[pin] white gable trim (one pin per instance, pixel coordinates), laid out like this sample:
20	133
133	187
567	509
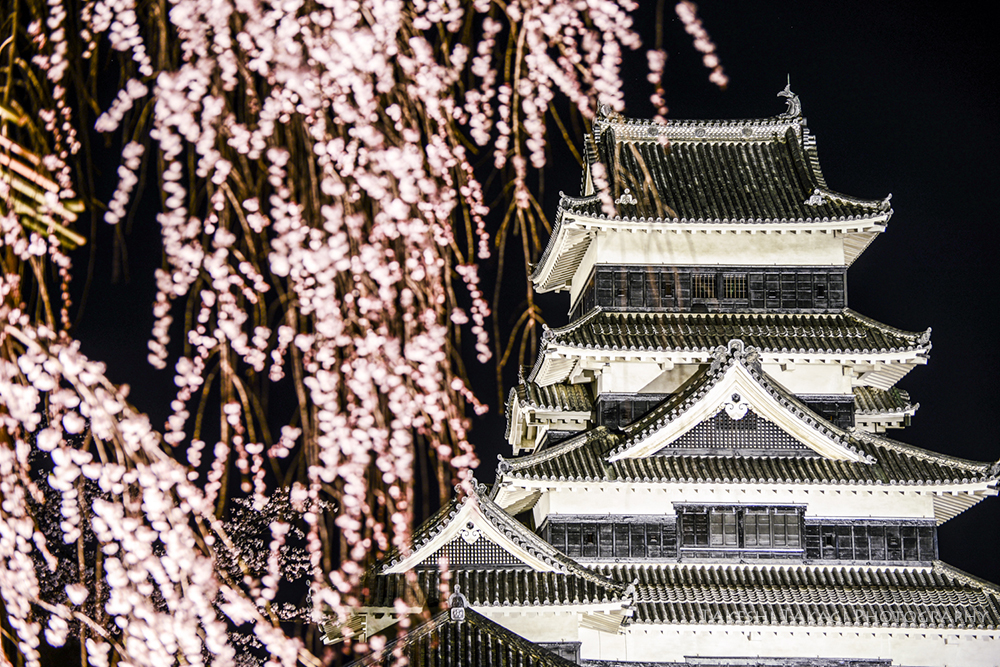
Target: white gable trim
738	380
470	512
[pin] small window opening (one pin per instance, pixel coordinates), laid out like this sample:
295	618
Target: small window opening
734	287
703	286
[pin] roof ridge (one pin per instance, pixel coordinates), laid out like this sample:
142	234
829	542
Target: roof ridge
583	199
568	445
982	467
953	572
921	337
579	322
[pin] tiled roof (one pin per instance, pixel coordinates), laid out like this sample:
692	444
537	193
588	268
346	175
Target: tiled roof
475	641
555	397
937	597
872	401
584	458
763	178
845	332
494	587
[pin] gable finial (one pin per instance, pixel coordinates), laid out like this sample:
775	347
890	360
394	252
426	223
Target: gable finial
794	109
457	603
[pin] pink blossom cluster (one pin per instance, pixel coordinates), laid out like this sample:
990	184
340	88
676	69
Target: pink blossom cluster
688	13
320	208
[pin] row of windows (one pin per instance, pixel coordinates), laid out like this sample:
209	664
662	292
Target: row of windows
741	532
870	542
690	289
649	540
741	528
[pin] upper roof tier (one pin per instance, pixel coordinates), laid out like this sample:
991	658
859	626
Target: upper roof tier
744	171
683	175
848	338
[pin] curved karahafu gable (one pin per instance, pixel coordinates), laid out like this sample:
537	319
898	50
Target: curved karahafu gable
734	383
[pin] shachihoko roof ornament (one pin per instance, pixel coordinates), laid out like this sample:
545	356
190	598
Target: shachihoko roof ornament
794	109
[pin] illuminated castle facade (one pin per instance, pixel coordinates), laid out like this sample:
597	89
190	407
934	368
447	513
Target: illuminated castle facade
700	468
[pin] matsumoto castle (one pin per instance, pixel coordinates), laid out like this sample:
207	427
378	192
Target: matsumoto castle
701	471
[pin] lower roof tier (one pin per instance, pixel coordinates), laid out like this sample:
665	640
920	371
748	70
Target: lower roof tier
937	597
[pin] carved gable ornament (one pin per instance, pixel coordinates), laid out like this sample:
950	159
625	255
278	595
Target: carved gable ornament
735	386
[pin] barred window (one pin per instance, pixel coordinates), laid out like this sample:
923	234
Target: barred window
703	286
722	528
734	286
870	541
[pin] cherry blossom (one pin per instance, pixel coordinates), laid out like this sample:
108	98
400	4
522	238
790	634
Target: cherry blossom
322	223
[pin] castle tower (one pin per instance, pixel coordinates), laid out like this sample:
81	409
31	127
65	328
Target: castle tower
701	453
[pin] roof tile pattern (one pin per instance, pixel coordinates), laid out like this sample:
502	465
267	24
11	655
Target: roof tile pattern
940	597
755	180
494	587
583	458
872	401
556	397
845	332
475	641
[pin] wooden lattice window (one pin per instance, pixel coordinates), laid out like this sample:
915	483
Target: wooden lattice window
722	528
743	528
734	286
769	528
703	286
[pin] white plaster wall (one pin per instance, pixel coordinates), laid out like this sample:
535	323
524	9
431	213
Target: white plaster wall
914	648
647	377
642	377
658	500
541	509
583	272
709	249
810	378
547	626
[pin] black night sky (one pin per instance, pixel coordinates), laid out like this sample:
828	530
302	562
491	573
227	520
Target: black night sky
902	97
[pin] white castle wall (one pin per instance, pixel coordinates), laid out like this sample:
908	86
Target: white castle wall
648	377
820	501
908	646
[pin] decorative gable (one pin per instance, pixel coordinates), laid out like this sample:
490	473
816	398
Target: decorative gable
467	535
473	531
732	390
750	434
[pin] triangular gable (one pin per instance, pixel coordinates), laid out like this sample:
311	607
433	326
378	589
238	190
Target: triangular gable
735	384
751	435
476	526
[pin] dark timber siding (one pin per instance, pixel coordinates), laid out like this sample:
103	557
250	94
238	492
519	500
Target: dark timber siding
714	289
